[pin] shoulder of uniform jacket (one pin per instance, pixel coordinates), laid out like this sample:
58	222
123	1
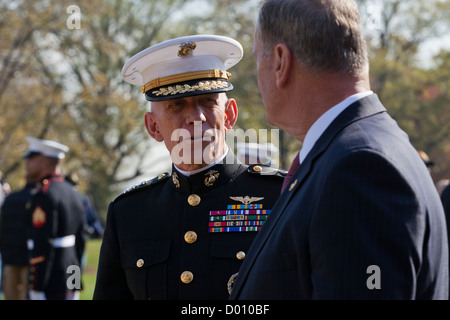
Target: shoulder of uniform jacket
45	183
265	170
144	184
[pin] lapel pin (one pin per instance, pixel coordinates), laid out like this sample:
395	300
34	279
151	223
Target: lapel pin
292	185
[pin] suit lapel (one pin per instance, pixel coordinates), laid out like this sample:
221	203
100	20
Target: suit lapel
360	109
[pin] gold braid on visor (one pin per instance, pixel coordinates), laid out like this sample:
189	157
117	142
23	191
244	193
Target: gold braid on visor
187	76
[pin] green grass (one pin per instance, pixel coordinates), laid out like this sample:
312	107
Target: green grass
89	275
92	252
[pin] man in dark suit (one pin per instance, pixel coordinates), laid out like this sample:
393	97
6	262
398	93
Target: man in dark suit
445	198
184	235
360	217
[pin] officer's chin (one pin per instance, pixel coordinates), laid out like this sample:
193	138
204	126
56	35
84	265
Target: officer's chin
190	153
207	151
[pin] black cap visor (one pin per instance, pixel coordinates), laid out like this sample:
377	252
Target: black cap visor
188	88
31	154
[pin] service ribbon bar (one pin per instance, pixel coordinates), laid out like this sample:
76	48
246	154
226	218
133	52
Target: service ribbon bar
245	206
238	217
235	223
234	229
238	212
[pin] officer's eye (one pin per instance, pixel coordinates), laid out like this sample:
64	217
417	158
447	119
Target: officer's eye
210	101
175	105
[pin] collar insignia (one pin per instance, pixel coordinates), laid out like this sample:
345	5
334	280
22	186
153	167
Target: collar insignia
175	180
212	176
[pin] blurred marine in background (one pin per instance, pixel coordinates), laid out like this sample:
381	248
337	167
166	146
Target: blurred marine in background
57	238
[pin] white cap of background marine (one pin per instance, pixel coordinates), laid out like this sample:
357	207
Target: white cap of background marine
48	148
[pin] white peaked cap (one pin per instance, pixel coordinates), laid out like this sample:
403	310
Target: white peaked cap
184	66
48	148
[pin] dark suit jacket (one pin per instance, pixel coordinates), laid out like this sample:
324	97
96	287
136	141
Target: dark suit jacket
445	197
364	213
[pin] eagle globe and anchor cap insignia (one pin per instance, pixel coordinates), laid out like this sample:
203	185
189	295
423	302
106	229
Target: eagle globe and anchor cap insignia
186	48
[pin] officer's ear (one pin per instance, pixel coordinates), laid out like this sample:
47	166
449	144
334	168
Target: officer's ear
152	126
231	113
282	58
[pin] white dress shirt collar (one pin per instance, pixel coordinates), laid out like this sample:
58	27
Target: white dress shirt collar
321	124
190	173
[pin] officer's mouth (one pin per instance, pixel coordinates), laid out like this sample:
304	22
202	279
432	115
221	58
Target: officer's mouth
206	136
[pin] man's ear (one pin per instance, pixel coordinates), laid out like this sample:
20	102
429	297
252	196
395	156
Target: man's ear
152	127
283	63
231	113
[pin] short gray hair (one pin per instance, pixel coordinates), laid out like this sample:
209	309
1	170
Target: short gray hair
325	35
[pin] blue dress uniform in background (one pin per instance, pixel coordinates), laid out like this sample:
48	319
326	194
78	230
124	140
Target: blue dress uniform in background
179	237
57	237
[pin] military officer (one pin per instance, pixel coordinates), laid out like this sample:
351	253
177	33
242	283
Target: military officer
57	236
184	234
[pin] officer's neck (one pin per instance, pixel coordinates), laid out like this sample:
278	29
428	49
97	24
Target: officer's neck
189	170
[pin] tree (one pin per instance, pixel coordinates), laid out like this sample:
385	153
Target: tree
28	93
415	95
65	84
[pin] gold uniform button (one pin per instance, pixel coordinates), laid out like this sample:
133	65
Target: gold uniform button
194	199
140	263
190	237
186	277
240	255
257	168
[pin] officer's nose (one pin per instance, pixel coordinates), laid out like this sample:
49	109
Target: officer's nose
195	112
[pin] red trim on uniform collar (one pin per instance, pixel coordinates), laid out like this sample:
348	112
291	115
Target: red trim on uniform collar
53	177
